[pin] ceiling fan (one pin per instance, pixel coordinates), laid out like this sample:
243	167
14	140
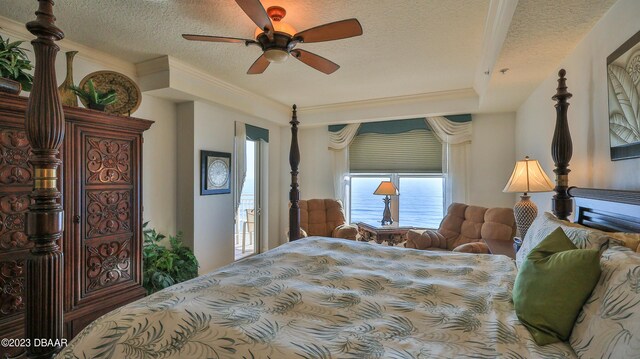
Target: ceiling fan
278	39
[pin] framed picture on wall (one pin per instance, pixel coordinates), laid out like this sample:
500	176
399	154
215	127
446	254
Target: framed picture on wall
623	81
215	172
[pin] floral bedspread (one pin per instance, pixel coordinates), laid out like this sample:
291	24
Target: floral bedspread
327	298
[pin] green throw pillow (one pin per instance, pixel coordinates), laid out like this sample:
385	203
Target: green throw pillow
552	285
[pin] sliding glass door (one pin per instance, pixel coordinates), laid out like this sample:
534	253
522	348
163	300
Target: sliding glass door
250	189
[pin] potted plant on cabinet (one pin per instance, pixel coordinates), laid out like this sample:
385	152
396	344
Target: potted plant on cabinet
96	100
14	65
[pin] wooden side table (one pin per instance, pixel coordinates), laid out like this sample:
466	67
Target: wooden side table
392	235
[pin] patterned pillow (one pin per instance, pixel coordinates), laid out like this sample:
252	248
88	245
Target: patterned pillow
583	237
609	324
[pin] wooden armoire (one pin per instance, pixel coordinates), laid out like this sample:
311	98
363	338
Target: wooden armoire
102	186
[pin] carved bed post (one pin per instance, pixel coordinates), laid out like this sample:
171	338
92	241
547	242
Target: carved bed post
44	221
561	151
294	193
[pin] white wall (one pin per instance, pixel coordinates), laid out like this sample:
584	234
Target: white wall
591	165
159	168
159	181
208	221
492	159
185	170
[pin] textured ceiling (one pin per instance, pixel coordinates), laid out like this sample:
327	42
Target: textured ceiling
542	33
409	47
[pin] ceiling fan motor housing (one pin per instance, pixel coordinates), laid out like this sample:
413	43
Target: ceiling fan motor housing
276	50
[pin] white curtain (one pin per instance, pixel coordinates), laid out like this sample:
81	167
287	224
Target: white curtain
456	154
240	168
339	146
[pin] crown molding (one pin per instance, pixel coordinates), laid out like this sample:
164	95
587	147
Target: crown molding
175	80
495	33
17	30
410	106
395	100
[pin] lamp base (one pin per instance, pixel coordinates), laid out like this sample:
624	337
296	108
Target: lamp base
525	212
386	215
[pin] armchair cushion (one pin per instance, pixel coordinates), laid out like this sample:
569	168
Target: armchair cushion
490	229
345	231
425	239
462	224
475	247
303	234
324	217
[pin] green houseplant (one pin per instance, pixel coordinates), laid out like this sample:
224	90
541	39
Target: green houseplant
96	100
14	65
165	266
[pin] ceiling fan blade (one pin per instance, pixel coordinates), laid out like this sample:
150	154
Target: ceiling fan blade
259	66
332	31
316	61
256	12
215	38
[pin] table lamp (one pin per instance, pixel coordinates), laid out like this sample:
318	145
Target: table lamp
527	177
386	188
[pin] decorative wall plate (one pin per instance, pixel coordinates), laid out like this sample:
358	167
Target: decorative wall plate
215	172
128	93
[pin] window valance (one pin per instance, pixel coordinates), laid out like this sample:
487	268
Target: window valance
255	133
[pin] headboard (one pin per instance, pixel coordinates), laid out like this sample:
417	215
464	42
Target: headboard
608	210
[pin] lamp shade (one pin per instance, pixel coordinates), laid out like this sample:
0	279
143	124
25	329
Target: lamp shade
386	188
528	176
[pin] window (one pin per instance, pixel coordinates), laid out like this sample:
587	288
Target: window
420	203
407	153
366	206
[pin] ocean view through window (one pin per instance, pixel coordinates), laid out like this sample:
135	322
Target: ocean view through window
420	203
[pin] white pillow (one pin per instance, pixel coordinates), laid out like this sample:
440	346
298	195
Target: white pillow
583	237
609	324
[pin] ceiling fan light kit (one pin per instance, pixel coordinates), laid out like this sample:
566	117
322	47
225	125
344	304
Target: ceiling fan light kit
276	55
278	39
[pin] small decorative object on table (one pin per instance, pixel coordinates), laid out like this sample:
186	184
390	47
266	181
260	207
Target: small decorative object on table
517	243
386	188
215	172
67	95
94	99
128	95
13	66
527	176
391	235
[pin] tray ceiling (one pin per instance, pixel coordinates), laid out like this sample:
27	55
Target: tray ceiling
408	47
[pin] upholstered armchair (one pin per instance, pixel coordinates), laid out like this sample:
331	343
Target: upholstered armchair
325	218
470	229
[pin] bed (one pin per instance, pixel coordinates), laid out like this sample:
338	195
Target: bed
327	298
310	298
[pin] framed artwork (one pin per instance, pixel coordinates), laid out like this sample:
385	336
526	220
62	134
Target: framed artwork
623	81
215	172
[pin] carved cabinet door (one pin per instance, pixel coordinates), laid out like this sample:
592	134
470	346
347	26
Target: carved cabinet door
106	215
15	187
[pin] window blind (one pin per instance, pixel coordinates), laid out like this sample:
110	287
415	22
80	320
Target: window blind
416	151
